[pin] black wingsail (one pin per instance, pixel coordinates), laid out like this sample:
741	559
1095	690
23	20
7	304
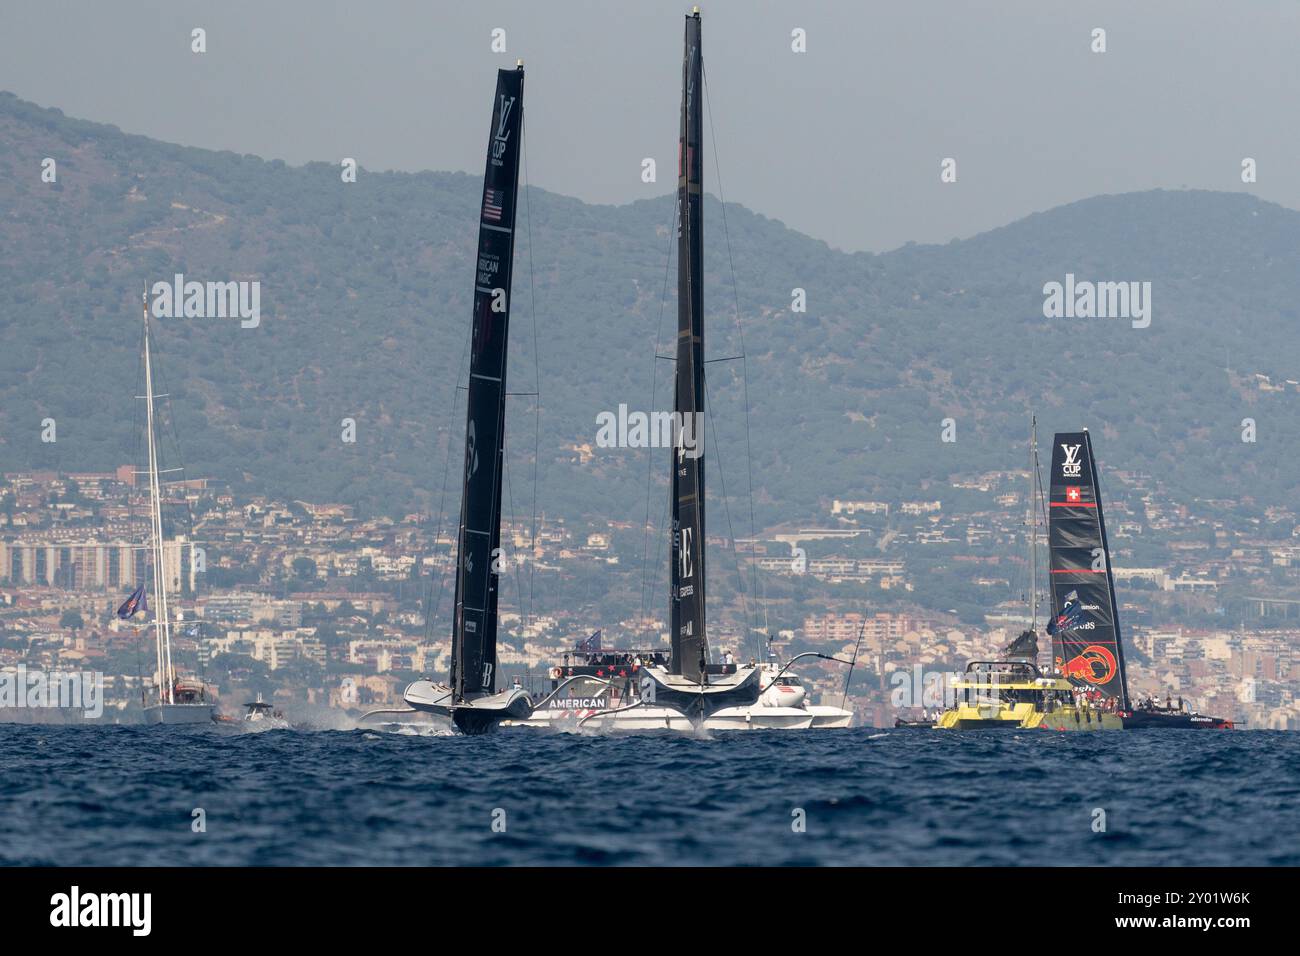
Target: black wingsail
473	655
686	565
1086	644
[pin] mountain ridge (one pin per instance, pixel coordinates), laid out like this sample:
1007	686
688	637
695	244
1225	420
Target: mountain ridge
365	297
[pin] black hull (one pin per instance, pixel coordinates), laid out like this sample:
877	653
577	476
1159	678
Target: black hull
901	724
471	723
1149	720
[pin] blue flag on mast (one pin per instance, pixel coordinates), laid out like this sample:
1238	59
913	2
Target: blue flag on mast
138	601
1071	615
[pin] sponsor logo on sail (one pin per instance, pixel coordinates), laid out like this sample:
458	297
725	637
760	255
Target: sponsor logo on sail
685	559
502	136
1071	467
1093	665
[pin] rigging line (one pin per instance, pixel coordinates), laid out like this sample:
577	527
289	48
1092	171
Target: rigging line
134	500
854	663
740	331
654	394
431	613
659	551
169	424
510	494
537	359
726	510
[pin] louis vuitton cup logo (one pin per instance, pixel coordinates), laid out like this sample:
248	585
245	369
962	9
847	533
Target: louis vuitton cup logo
500	140
1071	467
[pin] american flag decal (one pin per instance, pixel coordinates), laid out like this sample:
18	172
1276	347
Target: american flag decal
492	202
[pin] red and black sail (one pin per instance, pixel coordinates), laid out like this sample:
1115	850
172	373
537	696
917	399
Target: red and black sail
1084	623
686	566
473	660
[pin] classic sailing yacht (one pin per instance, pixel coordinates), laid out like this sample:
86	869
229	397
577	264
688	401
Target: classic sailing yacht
177	700
470	698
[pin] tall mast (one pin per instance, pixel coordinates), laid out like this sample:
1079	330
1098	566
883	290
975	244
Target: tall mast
1033	522
686	563
162	626
474	629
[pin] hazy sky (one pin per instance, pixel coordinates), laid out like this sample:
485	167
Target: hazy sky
843	142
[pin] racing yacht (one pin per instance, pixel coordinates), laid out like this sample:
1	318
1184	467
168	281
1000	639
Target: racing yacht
469	698
607	691
1086	688
686	688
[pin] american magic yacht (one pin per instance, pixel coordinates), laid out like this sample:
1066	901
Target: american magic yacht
470	698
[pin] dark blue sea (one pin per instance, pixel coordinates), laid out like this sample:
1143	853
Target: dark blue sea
126	796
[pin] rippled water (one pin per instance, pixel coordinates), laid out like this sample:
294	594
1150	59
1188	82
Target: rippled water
123	795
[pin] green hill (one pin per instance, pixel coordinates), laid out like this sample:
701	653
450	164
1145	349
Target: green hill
365	298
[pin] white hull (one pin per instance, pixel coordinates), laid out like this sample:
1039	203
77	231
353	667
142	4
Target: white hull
588	704
178	714
760	717
829	718
632	720
265	723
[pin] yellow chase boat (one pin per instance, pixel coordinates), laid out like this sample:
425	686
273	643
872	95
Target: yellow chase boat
1015	695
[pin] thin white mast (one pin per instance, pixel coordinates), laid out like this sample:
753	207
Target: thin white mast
162	625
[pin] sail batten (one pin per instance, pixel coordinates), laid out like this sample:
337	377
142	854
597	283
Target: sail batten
686	563
473	657
1086	642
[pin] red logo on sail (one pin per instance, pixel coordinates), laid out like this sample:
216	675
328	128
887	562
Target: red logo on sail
1095	665
1073	494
